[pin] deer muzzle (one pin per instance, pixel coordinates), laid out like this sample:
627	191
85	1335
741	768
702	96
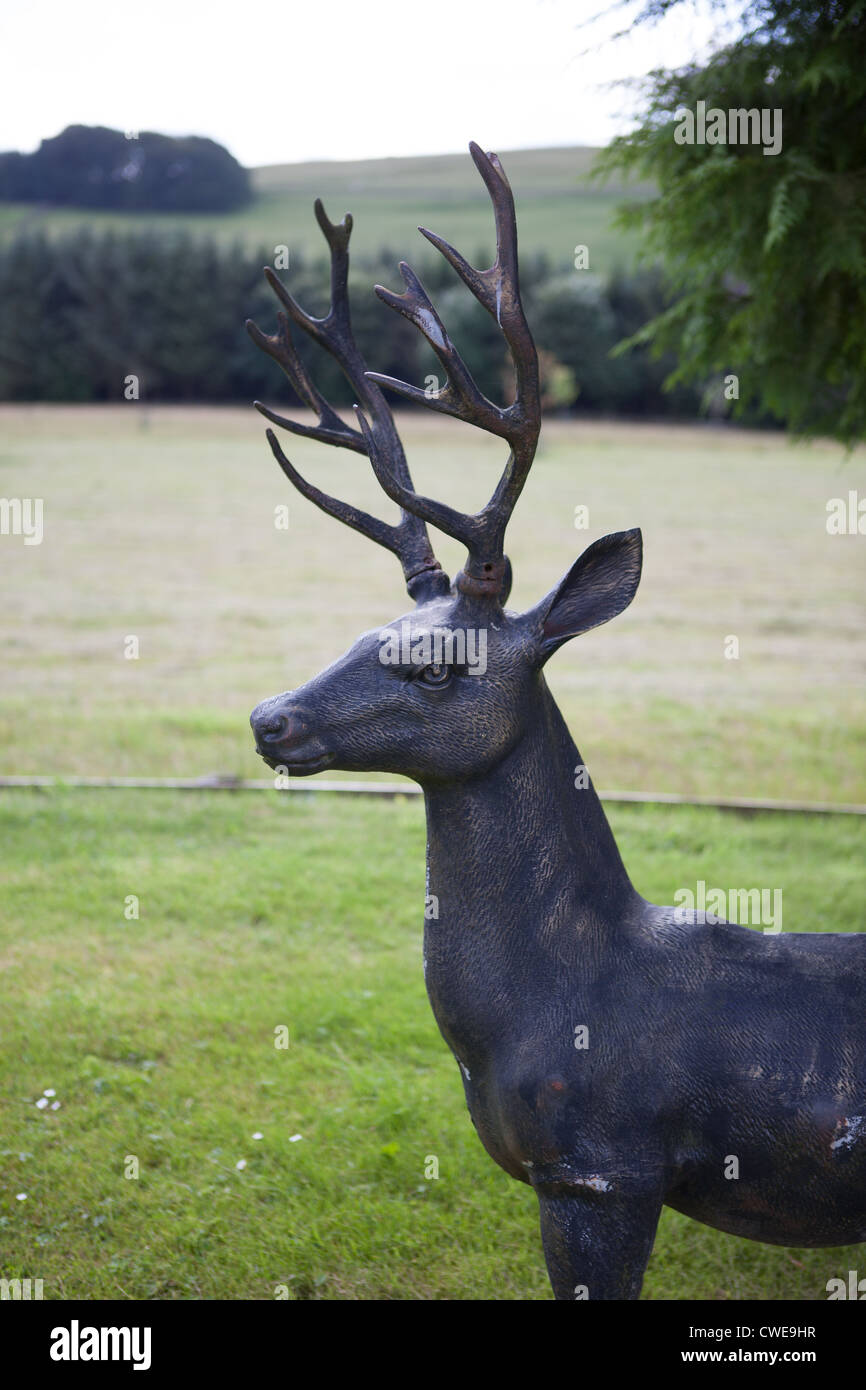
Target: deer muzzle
283	737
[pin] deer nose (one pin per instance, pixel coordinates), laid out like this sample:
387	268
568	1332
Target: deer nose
270	724
273	728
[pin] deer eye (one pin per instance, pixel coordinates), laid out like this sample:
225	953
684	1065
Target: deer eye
435	675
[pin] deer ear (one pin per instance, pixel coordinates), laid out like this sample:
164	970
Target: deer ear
599	585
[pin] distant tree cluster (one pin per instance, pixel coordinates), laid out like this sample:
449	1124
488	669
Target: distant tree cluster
94	167
83	313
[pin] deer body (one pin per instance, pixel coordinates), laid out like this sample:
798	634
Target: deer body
704	1040
616	1055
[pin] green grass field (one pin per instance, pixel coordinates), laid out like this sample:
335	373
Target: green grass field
558	208
258	910
157	1035
159	524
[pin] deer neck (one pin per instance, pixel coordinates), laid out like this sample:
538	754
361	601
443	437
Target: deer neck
523	855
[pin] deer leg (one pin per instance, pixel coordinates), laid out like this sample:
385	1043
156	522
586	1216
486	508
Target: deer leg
596	1242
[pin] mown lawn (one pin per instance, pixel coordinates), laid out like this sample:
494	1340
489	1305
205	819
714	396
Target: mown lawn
258	911
159	524
157	1035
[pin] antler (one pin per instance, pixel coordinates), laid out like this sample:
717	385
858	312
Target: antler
409	539
497	289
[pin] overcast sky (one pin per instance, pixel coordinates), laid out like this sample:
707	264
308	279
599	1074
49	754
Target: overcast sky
330	79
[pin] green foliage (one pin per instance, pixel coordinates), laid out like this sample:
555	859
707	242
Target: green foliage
765	251
94	167
84	312
579	318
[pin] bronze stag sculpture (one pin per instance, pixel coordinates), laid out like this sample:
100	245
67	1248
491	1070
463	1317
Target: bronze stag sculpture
614	1054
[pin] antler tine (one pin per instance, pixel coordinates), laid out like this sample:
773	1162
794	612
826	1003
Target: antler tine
498	290
334	334
331	429
408	540
359	520
337	236
460	396
462	527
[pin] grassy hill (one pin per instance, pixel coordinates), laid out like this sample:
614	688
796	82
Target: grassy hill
558	207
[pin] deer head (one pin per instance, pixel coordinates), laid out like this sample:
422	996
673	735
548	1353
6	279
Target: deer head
445	691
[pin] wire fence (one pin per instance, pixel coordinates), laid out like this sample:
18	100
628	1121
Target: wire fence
399	789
